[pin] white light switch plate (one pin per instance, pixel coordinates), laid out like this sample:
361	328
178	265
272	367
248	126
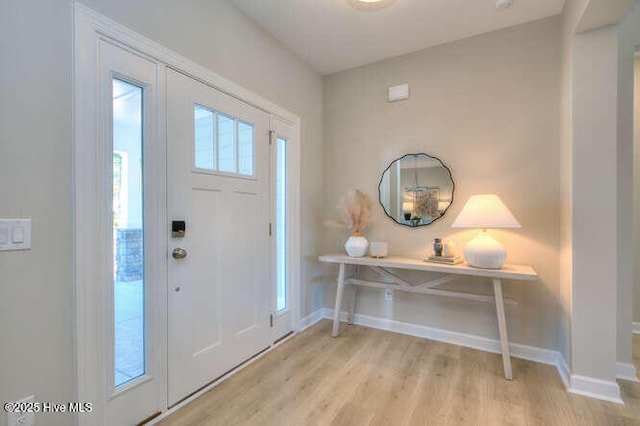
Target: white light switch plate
15	234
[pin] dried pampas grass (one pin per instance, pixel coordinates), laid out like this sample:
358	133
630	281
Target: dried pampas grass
355	211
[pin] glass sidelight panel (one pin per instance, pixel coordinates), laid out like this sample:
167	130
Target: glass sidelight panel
282	278
128	232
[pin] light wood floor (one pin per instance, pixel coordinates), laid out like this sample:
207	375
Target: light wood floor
372	377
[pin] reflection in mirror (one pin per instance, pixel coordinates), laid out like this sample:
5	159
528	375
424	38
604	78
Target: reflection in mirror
416	190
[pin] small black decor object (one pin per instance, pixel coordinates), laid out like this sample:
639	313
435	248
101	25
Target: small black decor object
438	246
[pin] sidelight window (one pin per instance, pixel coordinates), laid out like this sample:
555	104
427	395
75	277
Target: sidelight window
128	232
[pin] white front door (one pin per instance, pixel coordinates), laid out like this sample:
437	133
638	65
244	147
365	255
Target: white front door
218	191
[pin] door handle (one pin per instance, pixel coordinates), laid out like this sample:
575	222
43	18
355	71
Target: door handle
179	253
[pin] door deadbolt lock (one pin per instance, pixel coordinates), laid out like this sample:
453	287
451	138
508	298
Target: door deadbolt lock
179	253
178	228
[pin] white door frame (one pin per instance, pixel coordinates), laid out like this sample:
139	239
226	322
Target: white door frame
89	28
290	132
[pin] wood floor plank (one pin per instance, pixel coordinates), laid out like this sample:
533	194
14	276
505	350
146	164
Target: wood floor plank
372	377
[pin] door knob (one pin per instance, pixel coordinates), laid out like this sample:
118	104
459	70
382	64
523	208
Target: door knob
179	253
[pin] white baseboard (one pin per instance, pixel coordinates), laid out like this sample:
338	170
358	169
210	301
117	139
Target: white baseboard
311	319
636	328
581	385
589	386
626	371
563	369
595	388
543	356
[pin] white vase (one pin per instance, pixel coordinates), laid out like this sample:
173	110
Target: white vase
356	245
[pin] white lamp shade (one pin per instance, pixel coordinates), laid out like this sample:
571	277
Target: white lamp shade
485	211
407	206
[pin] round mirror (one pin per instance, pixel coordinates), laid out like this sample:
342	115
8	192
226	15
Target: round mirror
416	190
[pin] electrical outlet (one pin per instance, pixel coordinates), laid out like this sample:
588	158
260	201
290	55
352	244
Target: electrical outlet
388	294
23	414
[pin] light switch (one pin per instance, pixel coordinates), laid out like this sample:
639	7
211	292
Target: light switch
18	234
4	234
15	234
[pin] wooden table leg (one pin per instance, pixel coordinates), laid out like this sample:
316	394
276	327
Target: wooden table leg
502	326
338	305
352	308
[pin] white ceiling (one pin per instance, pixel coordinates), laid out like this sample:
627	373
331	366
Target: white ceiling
332	36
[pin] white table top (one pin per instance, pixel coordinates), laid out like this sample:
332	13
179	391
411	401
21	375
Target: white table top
512	272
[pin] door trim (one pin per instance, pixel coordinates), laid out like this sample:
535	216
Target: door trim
90	222
89	27
290	132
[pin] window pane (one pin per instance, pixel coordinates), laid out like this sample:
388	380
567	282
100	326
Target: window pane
128	233
205	152
281	224
245	148
226	143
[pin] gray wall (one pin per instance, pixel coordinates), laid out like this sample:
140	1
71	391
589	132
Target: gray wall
488	106
628	35
35	161
594	296
570	17
36	353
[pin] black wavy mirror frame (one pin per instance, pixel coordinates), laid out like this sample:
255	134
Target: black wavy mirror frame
416	190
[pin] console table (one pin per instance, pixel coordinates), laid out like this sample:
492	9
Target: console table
449	273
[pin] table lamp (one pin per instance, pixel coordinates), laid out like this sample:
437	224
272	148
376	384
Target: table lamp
484	212
407	209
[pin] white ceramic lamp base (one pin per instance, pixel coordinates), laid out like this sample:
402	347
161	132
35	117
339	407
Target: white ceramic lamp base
485	252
